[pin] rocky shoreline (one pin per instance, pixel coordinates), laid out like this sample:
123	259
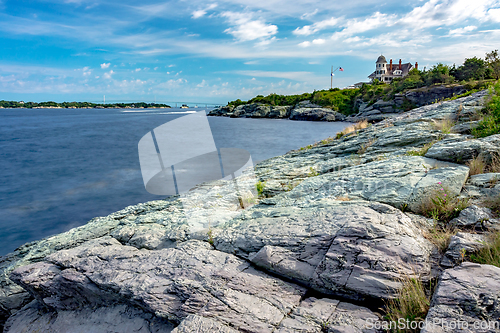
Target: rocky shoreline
328	243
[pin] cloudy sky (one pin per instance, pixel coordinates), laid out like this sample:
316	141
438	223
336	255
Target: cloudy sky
213	52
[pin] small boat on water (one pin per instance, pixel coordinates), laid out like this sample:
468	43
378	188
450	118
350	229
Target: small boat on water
184	106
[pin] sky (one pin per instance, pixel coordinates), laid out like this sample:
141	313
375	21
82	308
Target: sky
213	52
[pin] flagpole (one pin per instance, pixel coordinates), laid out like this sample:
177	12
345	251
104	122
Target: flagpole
331	79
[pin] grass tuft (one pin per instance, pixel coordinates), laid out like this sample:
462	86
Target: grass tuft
441	206
260	188
365	146
411	302
476	166
353	128
422	151
444	125
490	254
440	235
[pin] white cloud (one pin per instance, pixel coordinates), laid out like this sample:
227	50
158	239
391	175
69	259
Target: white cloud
108	74
462	31
308	15
105	65
202	12
318	41
137	69
305	44
202	84
246	29
321	25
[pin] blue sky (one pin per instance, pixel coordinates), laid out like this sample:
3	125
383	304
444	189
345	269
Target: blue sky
213	52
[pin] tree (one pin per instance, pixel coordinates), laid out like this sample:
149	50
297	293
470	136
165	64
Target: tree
493	61
473	69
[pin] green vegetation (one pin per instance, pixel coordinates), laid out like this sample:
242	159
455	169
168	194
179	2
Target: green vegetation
78	105
312	172
474	74
491	122
442	206
422	151
490	254
411	302
260	188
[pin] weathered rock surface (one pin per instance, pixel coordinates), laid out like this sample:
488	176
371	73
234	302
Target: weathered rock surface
119	318
463	151
467	294
170	283
475	217
353	249
320	315
197	324
421	97
461	245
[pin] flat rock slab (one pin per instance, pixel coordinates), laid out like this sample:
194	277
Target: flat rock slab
406	181
170	283
119	318
197	324
320	315
467	295
463	151
356	249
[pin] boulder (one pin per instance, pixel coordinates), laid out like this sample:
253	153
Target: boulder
461	245
315	114
170	283
469	296
351	248
426	96
465	150
474	217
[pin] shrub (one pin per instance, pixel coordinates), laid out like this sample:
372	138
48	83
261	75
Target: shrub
491	122
490	254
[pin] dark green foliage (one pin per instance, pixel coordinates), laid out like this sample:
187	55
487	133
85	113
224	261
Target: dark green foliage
491	122
493	61
473	69
30	105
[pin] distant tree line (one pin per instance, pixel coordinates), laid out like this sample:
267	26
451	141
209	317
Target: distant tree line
474	73
30	105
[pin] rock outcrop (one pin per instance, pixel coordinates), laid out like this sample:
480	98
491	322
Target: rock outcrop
332	237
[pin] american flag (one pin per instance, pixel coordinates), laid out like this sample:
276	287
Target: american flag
341	69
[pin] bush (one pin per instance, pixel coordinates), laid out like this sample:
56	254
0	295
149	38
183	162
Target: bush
491	122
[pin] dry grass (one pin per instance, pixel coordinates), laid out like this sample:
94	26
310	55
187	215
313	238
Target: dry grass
490	254
440	205
411	302
444	125
494	165
353	128
365	146
476	166
440	236
343	198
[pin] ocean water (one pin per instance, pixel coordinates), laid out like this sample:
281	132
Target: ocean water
61	167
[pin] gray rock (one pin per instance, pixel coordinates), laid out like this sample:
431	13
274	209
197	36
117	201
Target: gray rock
461	245
356	249
464	128
119	318
474	217
315	114
422	97
468	294
387	109
485	179
370	113
197	324
319	315
169	283
463	151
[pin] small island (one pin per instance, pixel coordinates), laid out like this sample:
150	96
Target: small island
79	105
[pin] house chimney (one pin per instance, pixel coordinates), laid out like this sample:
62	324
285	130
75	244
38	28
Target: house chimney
416	65
400	64
390	66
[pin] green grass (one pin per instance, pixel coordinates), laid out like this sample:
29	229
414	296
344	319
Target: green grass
442	206
490	254
411	302
422	151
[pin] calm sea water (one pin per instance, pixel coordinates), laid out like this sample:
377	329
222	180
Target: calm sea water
60	168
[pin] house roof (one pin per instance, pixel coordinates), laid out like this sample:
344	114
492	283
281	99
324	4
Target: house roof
381	59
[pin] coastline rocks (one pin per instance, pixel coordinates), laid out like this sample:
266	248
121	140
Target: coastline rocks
421	97
465	150
461	244
354	249
119	318
469	293
197	324
316	114
172	283
474	217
